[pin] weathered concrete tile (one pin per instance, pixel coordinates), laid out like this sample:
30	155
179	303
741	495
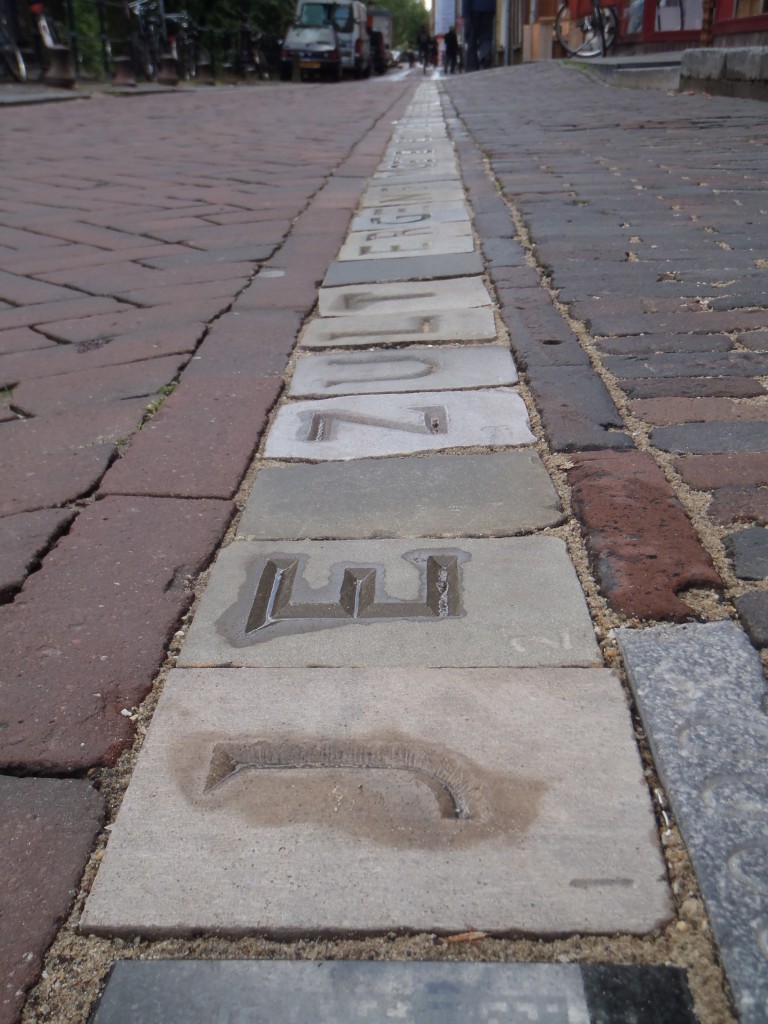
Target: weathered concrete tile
360	245
406	268
365	330
49	826
420	601
357	426
701	692
411	369
311	801
348	991
404	297
641	543
498	494
409	214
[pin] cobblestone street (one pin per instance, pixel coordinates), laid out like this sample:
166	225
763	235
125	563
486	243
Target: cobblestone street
383	558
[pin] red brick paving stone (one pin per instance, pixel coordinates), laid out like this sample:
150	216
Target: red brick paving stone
48	481
641	543
49	828
109	325
675	323
664	411
23	291
23	339
732	505
89	355
41	435
52	312
295	290
201	441
737	469
692	387
87	633
66	391
247	344
23	538
183	293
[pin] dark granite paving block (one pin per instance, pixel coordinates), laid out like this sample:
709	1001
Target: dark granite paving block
701	692
201	441
23	538
689	364
404	268
86	635
504	252
51	480
576	409
753	612
555	347
343	992
756	341
712	438
739	505
638	345
49	826
749	551
640	541
693	387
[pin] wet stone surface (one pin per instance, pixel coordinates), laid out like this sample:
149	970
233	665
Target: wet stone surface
388	602
701	693
345	992
377	801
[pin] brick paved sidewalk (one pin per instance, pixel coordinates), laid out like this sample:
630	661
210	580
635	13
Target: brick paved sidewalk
630	291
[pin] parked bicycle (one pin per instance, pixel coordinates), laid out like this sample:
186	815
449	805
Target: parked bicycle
10	52
182	43
147	42
584	28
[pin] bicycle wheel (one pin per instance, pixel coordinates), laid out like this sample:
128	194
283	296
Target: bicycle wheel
580	37
610	26
15	63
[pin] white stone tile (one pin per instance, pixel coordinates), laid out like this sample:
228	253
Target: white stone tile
411	369
366	330
409	213
377	603
404	297
310	801
358	426
360	246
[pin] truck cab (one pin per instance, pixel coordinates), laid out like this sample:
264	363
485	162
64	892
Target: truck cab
328	38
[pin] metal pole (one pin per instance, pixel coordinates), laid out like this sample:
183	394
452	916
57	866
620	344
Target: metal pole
73	36
103	36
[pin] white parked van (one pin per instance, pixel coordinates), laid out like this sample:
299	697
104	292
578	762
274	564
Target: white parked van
326	39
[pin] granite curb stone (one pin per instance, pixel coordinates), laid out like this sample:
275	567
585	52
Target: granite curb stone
346	992
701	693
525	848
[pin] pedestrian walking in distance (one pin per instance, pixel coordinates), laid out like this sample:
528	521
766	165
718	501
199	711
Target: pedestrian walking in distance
451	42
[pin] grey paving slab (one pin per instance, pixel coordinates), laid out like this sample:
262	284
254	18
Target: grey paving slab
434	327
499	494
411	369
404	297
422	601
347	992
406	268
366	245
357	426
409	213
312	802
702	695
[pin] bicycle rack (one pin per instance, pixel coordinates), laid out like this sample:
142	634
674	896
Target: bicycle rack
167	75
124	73
59	71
